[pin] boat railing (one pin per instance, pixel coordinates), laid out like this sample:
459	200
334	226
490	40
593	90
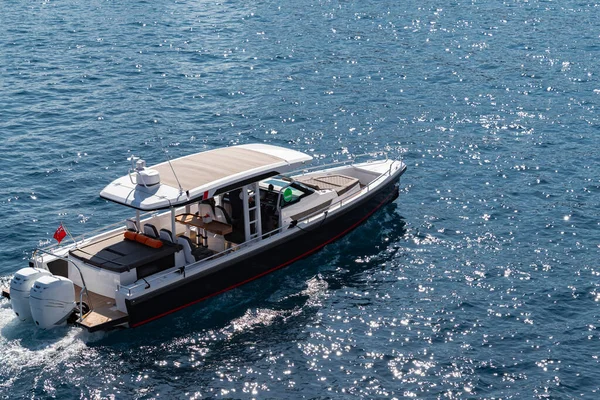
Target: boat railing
149	282
366	189
349	161
76	240
83	289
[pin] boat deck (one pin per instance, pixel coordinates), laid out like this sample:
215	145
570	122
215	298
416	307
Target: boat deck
117	254
340	183
104	314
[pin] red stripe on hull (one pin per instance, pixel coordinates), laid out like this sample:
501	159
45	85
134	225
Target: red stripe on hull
314	249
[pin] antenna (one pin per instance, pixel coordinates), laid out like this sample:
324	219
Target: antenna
155	121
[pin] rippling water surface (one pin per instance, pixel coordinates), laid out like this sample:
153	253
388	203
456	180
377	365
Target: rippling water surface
480	281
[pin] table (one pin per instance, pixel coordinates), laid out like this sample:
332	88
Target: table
220	228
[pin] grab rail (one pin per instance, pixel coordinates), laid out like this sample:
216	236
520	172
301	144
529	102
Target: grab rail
148	282
107	228
103	229
350	161
367	188
87	293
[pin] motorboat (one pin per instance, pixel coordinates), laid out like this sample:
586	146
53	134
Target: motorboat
199	225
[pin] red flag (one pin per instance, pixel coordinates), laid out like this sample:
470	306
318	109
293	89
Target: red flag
60	234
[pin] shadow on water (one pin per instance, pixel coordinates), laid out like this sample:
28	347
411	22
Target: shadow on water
366	250
282	296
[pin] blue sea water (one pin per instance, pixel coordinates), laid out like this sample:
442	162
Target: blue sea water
480	281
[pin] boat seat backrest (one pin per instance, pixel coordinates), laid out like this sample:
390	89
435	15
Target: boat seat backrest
150	230
226	207
221	215
204	209
166	235
131	225
186	243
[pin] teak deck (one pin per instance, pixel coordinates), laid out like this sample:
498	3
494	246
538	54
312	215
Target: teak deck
104	313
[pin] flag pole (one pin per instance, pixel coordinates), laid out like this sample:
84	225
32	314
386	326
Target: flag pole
68	231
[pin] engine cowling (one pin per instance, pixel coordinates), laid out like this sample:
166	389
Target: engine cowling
20	287
52	301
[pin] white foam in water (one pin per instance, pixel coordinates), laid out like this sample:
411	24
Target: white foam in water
316	289
25	346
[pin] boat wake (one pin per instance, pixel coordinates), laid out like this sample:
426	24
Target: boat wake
264	317
25	347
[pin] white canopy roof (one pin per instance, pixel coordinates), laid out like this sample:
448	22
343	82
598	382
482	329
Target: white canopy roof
201	175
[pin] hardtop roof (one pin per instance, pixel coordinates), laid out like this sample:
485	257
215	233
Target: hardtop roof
201	175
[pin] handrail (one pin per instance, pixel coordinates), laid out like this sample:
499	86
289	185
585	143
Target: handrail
82	281
364	189
106	228
204	260
343	162
83	236
367	188
307	219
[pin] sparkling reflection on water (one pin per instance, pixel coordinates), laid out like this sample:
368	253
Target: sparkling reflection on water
480	281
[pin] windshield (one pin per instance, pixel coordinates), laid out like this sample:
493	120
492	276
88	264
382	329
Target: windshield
291	194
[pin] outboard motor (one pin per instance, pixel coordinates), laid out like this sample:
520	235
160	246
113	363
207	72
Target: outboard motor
52	301
20	286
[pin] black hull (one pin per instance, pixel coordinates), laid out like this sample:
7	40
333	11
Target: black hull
256	264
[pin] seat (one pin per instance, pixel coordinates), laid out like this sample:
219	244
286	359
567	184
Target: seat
237	236
236	217
166	235
221	215
150	230
187	246
195	253
131	225
205	209
340	183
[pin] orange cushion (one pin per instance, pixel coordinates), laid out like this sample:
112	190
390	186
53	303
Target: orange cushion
154	243
143	239
130	235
